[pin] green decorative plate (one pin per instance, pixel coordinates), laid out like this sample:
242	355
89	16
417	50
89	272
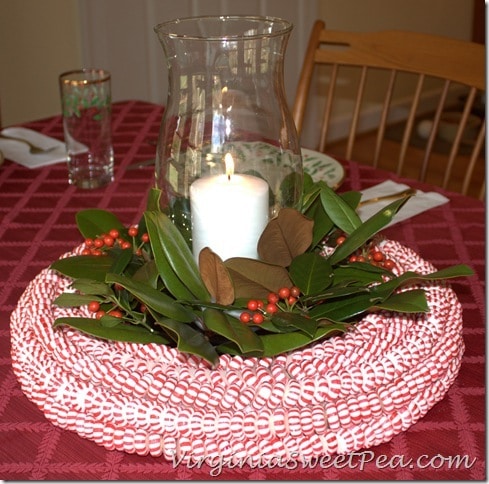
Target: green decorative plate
323	167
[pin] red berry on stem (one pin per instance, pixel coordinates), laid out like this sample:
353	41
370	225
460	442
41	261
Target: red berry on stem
377	256
245	317
108	241
271	308
93	306
284	292
145	238
115	313
273	298
114	233
295	291
340	239
258	318
133	231
252	305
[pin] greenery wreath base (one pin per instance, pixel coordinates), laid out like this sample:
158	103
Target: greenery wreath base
145	287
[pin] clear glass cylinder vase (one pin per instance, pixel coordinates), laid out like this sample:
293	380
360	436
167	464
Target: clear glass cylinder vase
228	156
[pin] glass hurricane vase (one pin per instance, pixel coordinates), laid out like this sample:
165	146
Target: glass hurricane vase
228	155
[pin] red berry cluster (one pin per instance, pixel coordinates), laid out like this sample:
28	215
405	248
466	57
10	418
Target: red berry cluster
98	245
275	300
370	254
94	307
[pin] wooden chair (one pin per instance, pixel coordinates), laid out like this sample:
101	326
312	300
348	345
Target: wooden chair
423	78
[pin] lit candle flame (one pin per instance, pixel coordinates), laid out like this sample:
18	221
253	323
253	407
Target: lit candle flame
229	162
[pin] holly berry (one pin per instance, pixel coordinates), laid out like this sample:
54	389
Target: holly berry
109	241
271	308
258	318
115	313
98	243
389	264
377	256
252	305
295	291
273	298
114	233
93	306
340	240
132	231
245	317
145	238
100	313
284	292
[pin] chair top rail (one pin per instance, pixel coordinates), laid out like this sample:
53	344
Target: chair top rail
438	56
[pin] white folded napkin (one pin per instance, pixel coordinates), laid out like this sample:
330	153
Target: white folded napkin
418	203
19	152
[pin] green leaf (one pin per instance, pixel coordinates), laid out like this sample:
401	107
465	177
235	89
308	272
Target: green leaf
153	298
366	230
122	332
122	259
70	300
346	308
84	266
359	273
311	273
88	286
322	221
147	273
344	216
233	330
94	221
288	322
189	340
153	201
168	242
413	301
275	344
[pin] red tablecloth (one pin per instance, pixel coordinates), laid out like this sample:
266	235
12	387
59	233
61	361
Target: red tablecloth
37	214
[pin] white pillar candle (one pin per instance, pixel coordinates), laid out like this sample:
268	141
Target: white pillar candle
229	214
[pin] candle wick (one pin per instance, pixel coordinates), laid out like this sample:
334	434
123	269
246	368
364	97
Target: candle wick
229	176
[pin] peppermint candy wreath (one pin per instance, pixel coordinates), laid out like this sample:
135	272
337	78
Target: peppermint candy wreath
340	395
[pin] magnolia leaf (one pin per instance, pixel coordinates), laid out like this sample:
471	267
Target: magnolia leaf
359	273
311	273
275	344
216	277
413	301
256	279
147	273
189	340
122	259
154	299
167	242
84	266
71	300
233	330
322	222
285	237
93	222
122	332
109	321
88	286
366	230
341	213
288	322
153	201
